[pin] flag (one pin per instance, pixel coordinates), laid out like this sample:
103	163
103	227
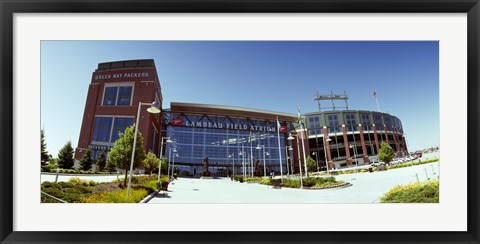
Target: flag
374	94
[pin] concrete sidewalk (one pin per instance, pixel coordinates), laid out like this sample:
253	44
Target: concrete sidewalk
366	188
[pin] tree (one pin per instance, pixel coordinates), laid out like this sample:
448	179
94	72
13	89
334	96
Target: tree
65	156
311	164
121	152
164	165
44	156
101	161
151	162
87	161
111	167
386	153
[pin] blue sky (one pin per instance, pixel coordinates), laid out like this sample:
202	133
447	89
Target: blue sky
266	75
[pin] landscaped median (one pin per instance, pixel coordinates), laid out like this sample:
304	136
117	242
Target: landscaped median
83	191
424	192
308	183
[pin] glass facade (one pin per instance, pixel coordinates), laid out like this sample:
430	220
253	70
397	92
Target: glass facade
217	137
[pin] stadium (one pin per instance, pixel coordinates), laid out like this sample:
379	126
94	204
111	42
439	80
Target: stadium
235	140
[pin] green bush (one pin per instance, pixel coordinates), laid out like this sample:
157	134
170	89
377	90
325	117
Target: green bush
49	167
292	183
265	181
238	178
150	185
119	196
425	192
78	181
67	191
413	163
254	179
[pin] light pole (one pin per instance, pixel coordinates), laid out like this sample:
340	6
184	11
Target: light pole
290	148
303	147
408	147
153	110
233	164
354	155
287	157
290	137
316	158
264	167
325	148
174	150
173	166
161	153
242	153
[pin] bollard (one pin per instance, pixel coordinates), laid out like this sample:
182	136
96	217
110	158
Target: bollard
433	170
56	176
416	175
426	173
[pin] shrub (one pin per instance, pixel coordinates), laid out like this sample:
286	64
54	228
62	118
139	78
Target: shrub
150	185
425	192
49	167
238	178
119	196
67	191
265	181
78	181
254	179
293	183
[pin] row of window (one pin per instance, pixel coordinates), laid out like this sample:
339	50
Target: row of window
351	122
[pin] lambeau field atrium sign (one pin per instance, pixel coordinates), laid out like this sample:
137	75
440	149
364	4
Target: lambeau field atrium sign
230	126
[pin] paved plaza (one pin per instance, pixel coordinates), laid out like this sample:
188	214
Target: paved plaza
366	188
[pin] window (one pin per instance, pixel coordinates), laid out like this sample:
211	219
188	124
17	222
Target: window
117	95
350	118
153	138
102	129
333	123
366	122
378	121
124	94
119	126
110	96
386	118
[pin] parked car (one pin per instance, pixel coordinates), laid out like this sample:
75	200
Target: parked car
379	165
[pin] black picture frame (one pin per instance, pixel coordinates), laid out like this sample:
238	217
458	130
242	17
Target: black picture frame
9	7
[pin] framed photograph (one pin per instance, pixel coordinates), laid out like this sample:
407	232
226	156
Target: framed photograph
230	146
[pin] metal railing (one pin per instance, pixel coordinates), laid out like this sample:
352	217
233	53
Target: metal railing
52	197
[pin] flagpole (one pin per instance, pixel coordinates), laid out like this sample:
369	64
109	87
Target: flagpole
376	99
279	151
251	153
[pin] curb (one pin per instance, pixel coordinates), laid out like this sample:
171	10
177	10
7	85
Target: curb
149	197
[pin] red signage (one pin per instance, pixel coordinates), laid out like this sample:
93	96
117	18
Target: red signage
283	129
177	121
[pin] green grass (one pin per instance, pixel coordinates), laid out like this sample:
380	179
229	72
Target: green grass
425	192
